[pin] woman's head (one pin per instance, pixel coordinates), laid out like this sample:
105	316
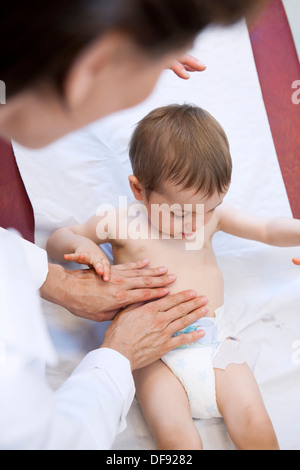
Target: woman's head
41	40
66	63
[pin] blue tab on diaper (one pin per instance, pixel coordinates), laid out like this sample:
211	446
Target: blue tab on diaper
210	329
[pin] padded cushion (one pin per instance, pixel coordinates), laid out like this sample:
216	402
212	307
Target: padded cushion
15	207
277	72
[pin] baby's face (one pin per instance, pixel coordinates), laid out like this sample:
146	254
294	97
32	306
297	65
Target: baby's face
181	213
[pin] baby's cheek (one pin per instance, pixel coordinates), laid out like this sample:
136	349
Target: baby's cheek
171	227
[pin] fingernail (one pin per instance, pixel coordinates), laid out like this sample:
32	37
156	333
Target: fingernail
193	293
204	300
172	277
166	291
201	63
205	310
163	270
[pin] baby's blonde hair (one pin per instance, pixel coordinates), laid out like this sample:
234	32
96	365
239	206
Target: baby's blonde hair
182	144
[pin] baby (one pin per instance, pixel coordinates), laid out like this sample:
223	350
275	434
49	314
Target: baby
182	171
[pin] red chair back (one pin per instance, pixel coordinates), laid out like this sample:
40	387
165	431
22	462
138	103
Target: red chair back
15	207
278	68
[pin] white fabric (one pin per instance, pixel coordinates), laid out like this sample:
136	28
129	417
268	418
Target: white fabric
90	407
67	181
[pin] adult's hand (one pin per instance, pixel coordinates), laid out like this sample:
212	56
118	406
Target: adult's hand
85	294
187	64
145	334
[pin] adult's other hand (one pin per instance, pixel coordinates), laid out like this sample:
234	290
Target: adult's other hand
85	294
145	334
187	64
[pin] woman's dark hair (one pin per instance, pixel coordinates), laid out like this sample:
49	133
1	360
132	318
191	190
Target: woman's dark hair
39	40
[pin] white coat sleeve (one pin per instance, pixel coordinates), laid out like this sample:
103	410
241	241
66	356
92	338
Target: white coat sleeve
86	413
37	261
88	410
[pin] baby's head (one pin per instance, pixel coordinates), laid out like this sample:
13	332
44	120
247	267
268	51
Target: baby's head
180	156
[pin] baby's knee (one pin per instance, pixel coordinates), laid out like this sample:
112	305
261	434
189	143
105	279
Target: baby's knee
256	417
259	428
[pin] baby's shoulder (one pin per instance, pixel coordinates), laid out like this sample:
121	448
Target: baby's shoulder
213	226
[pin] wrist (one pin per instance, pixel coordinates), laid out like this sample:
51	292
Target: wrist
53	290
119	349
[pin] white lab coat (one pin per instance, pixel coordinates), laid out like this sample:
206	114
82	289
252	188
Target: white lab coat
89	410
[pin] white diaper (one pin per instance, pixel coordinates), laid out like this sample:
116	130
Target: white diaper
194	365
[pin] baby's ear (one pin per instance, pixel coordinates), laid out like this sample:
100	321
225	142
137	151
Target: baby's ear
136	187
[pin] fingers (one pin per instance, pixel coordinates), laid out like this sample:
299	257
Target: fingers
132	270
185	339
77	258
105	267
180	71
149	282
158	293
176	300
144	295
153	272
132	266
174	307
192	64
187	64
195	309
184	322
101	265
296	261
186	314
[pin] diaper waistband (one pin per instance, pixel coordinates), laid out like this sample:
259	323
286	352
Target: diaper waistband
208	326
214	328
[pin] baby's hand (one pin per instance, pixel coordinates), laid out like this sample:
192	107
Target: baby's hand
92	257
296	261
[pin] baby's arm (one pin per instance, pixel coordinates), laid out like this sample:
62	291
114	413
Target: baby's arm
80	243
276	231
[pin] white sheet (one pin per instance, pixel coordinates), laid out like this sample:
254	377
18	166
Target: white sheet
68	180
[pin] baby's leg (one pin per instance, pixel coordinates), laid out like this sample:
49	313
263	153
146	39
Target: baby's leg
241	405
166	408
